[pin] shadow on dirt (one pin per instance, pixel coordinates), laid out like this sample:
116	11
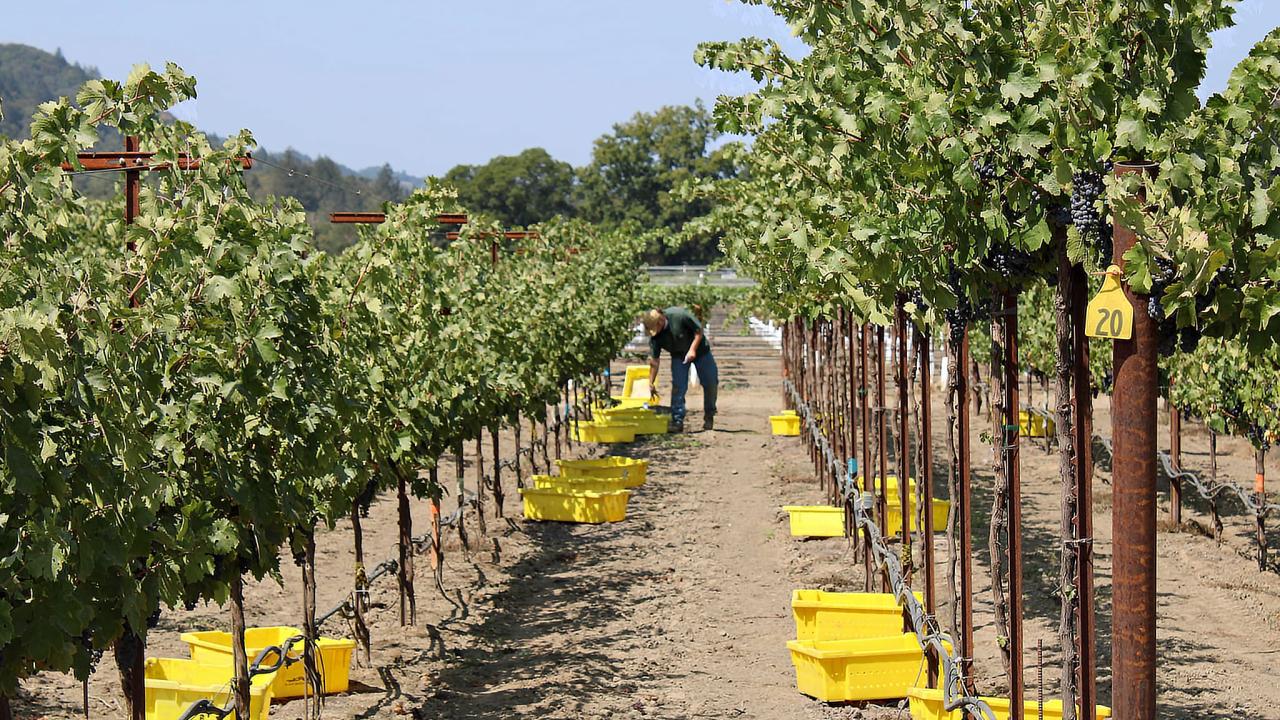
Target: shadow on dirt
526	660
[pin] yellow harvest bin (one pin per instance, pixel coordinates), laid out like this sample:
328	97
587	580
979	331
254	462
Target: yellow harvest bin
1035	425
213	647
626	403
636	384
847	670
579	506
543	482
891	485
823	615
598	432
816	520
632	471
893	523
786	424
927	704
647	422
173	685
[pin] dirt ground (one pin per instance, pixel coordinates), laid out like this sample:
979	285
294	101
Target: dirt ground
682	611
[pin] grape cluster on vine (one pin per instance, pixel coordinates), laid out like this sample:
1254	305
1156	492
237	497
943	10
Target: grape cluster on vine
1011	265
1090	219
985	169
93	653
959	317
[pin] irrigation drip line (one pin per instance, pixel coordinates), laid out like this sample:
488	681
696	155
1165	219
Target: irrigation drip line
926	629
1209	490
389	566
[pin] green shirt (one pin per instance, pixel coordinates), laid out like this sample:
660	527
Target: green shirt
677	337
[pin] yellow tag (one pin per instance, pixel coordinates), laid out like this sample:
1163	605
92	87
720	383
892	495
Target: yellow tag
1110	314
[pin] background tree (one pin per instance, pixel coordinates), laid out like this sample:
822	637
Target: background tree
519	190
635	170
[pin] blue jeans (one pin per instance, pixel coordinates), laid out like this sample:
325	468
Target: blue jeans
708	376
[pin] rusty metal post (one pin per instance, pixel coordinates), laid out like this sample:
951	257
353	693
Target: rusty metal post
1011	440
965	511
904	434
926	477
881	444
1082	411
132	185
1133	417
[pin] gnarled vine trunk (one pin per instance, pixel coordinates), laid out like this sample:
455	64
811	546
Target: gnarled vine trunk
240	656
408	599
1000	497
953	399
310	631
130	655
1070	565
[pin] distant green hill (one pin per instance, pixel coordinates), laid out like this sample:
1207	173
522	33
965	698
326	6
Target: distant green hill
30	76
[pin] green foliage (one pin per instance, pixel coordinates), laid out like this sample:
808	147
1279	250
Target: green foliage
29	77
322	186
701	299
519	190
1230	387
635	171
181	397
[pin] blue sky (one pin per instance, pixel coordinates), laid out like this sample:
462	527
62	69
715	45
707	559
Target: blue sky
429	84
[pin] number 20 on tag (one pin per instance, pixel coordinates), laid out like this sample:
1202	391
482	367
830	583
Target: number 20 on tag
1110	314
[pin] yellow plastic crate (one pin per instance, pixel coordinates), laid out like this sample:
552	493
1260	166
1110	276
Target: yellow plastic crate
633	472
891	485
821	615
647	422
213	647
636	384
927	704
893	523
543	482
787	424
627	403
1036	426
173	685
597	432
579	506
816	520
847	670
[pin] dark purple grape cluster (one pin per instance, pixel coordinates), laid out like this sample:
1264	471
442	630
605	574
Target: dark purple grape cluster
916	298
1172	338
1010	265
985	169
1258	437
1090	219
93	653
959	317
1086	188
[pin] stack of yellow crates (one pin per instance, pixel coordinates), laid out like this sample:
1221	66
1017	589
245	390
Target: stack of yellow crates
585	491
852	647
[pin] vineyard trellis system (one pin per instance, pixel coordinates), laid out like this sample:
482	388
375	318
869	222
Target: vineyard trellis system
245	388
938	166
